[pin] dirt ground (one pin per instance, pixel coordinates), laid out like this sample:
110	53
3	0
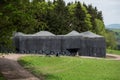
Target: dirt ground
108	57
11	69
113	57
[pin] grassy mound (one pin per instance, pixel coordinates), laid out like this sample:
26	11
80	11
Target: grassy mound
72	68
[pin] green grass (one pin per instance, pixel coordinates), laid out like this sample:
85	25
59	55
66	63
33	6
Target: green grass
113	51
1	77
72	68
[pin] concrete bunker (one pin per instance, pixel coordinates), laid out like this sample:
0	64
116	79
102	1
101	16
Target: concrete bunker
73	43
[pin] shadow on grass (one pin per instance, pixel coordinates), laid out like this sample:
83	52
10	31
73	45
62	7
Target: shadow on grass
51	77
43	76
1	77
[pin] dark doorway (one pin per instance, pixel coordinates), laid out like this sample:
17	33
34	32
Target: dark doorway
73	51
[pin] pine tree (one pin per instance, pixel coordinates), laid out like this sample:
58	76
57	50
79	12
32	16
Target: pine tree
82	21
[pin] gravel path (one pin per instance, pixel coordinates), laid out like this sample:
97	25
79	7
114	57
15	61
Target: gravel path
113	56
11	70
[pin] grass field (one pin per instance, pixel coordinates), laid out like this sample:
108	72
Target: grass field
72	68
113	51
1	77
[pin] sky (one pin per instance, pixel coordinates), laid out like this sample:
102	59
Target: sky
109	8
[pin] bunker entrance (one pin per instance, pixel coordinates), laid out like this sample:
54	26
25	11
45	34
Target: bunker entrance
73	51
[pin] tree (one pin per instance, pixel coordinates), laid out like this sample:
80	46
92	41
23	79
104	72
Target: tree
110	40
60	13
13	18
5	25
36	1
56	17
99	15
100	27
82	18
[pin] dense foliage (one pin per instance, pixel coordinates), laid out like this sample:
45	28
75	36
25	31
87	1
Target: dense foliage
71	68
56	17
116	32
117	36
109	51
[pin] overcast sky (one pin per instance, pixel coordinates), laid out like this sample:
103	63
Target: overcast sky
109	8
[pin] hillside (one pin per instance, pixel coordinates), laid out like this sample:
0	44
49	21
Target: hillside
116	31
113	26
